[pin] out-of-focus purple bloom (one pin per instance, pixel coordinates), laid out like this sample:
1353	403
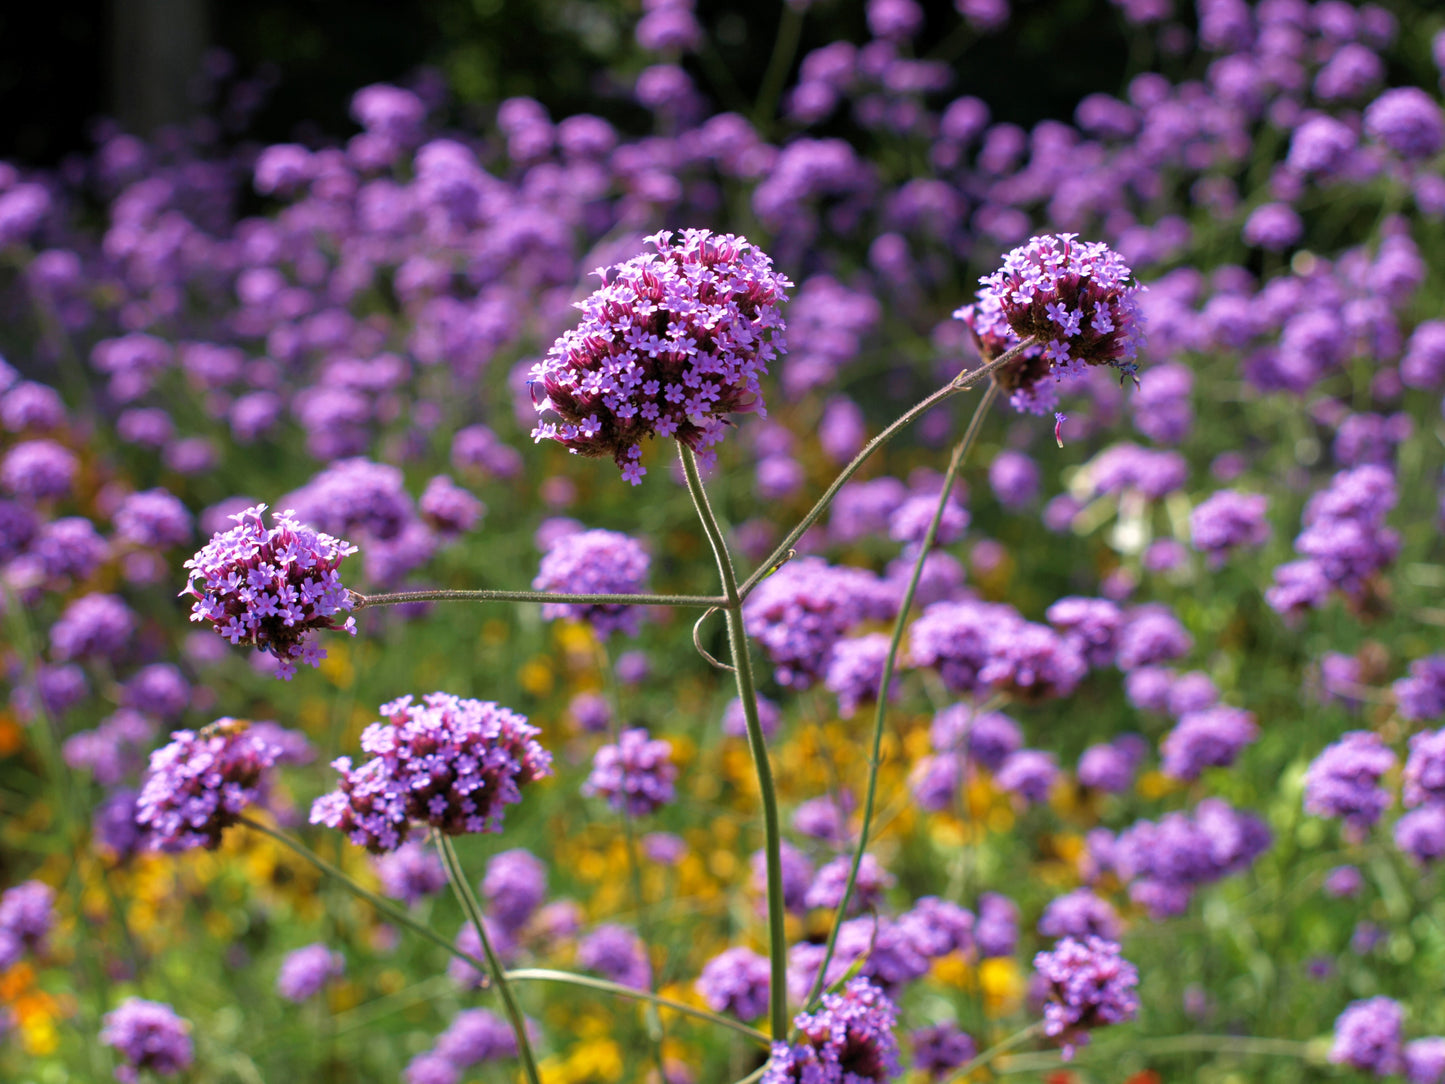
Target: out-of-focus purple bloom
1014	479
1368	1035
1425	769
941	1048
848	1040
676	336
824	818
1108	768
736	981
616	953
114	749
411	873
154	518
113	827
1079	914
158	690
271	588
855	672
1344	781
865	508
450	763
1209	738
1273	226
1192	691
909	521
797	876
1166	860
27	912
93	626
148	1035
1344	882
37	470
595	563
1090	625
734	721
1074	298
1421	696
475	1036
827	887
463	973
1408	121
591	712
997	930
1425	1060
1152	635
801	611
635	775
305	972
1423	365
514	887
1227	520
200	784
1089	985
1029	773
448	508
1421	834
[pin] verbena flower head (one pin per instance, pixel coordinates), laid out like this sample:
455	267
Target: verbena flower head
1421	696
449	763
594	563
1089	985
1368	1035
1074	297
200	783
736	981
1344	781
514	886
671	345
27	912
147	1035
305	972
411	873
616	953
271	588
635	775
849	1040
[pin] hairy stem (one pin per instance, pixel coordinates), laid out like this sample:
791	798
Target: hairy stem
960	453
398	598
747	693
961	383
473	910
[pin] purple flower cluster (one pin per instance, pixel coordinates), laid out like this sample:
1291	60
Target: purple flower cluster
514	887
271	588
618	954
449	763
799	613
1074	298
201	783
1344	544
848	1040
27	913
1368	1036
1343	782
1211	737
1421	696
675	342
1090	985
1226	521
473	1037
148	1035
855	671
983	647
635	775
594	563
306	971
411	873
736	981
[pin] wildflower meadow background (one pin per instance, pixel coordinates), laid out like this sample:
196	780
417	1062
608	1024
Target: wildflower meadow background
820	543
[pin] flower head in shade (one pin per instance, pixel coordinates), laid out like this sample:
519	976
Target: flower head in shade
1029	773
475	1036
1080	914
1090	625
1425	1060
849	1040
271	588
27	912
671	345
450	763
594	563
200	783
411	873
147	1035
736	981
1227	520
940	1049
1408	121
1425	769
1210	738
856	671
636	775
93	626
1344	781
997	930
616	953
305	972
1074	297
1368	1036
1089	985
1421	696
1421	834
514	886
827	887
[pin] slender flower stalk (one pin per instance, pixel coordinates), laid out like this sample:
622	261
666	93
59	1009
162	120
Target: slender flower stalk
1018	1038
542	974
473	911
400	598
757	744
960	383
960	453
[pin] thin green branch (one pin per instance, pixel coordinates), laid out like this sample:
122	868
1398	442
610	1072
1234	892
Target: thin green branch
960	453
399	598
785	47
961	383
473	910
542	974
757	744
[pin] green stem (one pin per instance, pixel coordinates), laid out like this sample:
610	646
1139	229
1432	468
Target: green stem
401	918
473	910
1242	1045
960	383
785	47
385	906
960	453
398	598
1016	1039
542	974
757	745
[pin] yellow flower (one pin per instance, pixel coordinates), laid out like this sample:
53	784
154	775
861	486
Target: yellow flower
1003	986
